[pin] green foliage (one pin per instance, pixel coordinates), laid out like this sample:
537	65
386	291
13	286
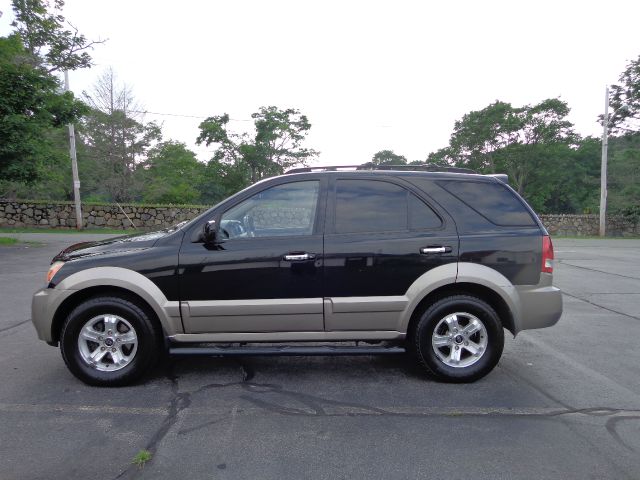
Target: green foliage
624	175
554	169
141	458
51	41
172	174
534	145
440	158
388	157
625	100
278	141
32	108
241	159
8	241
503	138
115	141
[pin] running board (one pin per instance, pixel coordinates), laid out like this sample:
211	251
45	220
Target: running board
286	351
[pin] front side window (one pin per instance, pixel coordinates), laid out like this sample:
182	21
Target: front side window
283	210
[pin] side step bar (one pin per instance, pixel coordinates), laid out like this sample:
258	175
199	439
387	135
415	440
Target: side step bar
285	351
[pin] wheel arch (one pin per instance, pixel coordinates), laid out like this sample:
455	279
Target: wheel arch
468	278
122	282
464	288
71	302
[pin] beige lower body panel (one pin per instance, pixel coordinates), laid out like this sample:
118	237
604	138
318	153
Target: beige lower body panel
363	313
255	316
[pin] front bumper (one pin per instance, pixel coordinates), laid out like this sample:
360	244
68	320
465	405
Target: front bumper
44	304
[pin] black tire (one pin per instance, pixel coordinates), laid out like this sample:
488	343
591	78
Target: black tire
149	343
429	320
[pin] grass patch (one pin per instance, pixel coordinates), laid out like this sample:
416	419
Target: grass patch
8	241
141	458
70	230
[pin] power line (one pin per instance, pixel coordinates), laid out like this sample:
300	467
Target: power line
186	116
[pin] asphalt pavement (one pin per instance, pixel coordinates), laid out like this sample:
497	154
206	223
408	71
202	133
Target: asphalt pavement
563	403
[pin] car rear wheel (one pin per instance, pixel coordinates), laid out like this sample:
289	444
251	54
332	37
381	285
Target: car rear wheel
459	339
109	341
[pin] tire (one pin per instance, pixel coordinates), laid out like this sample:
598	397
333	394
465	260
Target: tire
458	339
109	341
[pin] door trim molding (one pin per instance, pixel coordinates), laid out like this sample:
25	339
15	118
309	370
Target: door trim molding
286	336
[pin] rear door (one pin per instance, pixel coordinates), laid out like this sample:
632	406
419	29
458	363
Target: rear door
381	234
265	272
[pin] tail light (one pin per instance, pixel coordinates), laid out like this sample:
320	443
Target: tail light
547	254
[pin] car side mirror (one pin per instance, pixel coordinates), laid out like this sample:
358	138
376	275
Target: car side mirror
209	232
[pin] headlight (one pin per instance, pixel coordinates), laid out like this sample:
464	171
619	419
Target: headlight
53	269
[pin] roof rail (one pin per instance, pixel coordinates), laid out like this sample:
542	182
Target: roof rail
370	166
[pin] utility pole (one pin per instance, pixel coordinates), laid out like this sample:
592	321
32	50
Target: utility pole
74	163
603	166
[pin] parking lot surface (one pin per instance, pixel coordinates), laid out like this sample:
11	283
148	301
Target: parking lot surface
564	402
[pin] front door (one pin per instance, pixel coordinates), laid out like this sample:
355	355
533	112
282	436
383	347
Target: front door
264	273
381	236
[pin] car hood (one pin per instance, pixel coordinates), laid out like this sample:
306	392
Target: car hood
136	241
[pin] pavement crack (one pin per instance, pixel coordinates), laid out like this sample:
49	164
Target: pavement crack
564	292
15	325
612	428
179	402
564	262
536	387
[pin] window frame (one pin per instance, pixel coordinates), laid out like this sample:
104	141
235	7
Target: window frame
317	223
516	197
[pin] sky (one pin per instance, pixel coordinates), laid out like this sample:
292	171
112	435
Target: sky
369	75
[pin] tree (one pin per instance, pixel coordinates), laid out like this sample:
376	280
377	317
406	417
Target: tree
116	135
624	174
624	100
504	139
171	174
275	146
31	108
51	41
388	157
278	140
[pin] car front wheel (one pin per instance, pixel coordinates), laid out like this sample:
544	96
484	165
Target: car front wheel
108	341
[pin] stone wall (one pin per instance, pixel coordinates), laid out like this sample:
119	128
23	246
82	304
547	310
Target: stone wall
589	225
62	215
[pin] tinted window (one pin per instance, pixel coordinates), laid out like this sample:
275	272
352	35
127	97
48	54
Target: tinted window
370	206
420	215
492	200
282	210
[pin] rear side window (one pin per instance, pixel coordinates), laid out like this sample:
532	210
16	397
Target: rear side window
421	216
378	206
491	200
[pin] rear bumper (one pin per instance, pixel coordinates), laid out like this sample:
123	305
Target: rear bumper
540	305
44	304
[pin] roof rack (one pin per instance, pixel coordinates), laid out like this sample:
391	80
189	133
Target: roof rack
370	166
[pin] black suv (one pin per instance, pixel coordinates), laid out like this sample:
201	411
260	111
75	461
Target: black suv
318	261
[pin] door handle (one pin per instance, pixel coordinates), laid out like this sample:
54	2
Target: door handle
292	257
431	250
